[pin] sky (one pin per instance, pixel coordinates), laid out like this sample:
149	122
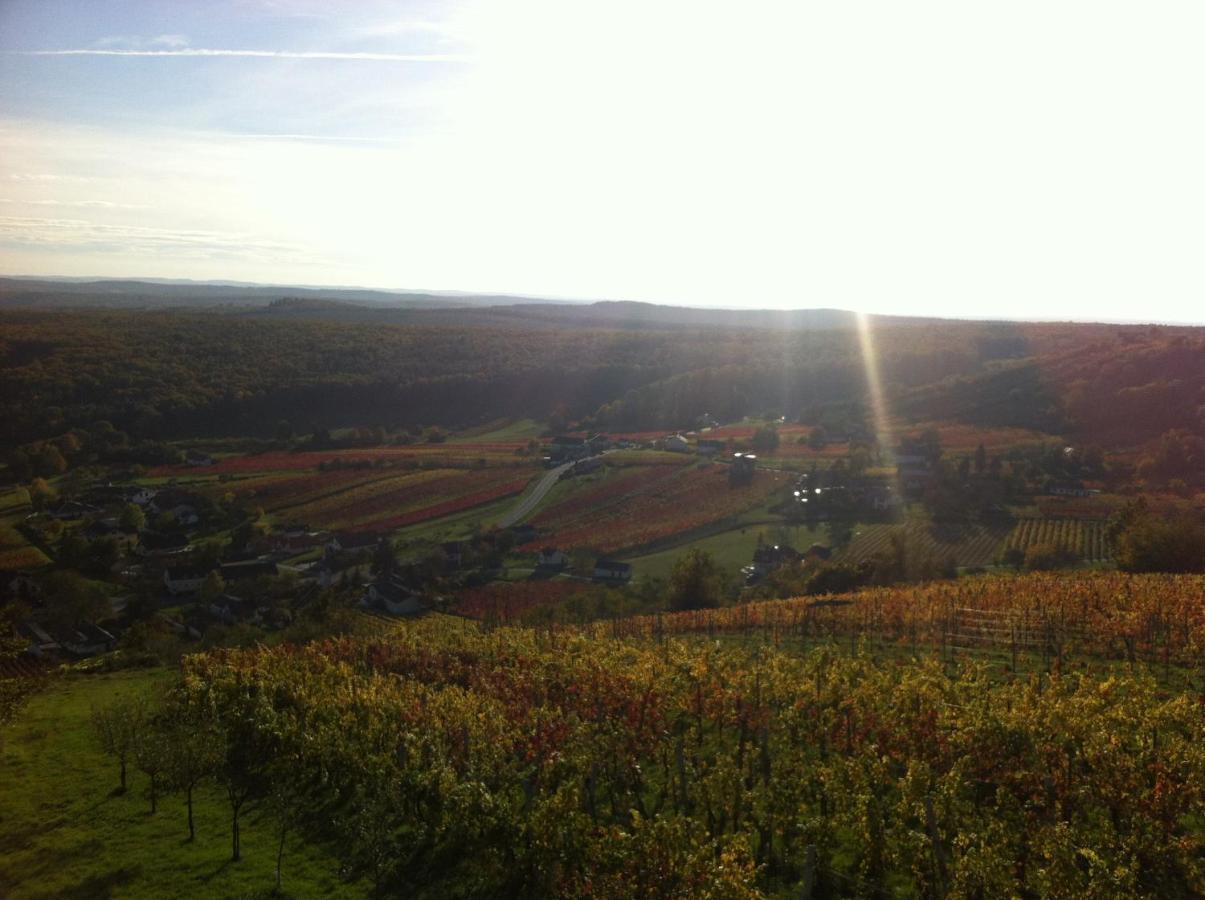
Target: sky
1020	160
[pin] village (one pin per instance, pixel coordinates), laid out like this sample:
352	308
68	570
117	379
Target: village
177	560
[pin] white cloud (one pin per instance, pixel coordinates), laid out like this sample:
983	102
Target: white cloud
81	204
255	54
136	240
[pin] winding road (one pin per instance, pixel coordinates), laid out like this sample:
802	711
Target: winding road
529	500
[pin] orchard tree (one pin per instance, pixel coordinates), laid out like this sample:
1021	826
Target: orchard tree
152	757
117	727
193	752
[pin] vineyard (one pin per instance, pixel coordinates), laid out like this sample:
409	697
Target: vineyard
979	546
375	499
16	553
962	439
447	760
1087	539
505	602
646	504
1158	619
390	503
450	456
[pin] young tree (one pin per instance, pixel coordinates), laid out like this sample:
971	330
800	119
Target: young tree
117	727
193	753
151	756
696	582
41	494
242	759
765	439
132	518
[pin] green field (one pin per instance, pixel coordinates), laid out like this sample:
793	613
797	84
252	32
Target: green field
731	549
14	500
498	432
977	546
64	833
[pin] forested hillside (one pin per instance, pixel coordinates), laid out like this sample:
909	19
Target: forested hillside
170	375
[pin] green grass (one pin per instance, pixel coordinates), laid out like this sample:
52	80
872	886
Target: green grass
456	526
65	833
14	500
498	432
731	549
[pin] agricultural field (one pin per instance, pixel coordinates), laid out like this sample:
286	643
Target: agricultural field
16	553
16	500
638	506
731	550
1157	619
372	501
509	601
501	431
961	439
665	756
1095	507
1086	538
443	455
978	546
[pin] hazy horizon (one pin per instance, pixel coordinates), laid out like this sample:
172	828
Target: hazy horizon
1036	163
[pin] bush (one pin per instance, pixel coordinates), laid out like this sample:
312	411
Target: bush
1046	557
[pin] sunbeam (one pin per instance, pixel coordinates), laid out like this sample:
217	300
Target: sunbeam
874	386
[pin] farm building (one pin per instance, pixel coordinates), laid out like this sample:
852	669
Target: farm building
675	443
393	596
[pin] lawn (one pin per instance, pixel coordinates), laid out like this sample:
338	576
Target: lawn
65	833
731	549
499	432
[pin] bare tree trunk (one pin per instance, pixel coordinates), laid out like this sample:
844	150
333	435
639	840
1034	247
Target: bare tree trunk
235	855
280	850
192	833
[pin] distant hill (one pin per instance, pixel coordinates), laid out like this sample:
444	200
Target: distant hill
36	293
353	305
